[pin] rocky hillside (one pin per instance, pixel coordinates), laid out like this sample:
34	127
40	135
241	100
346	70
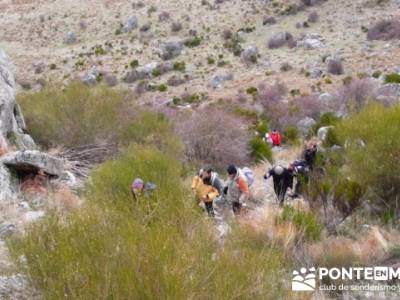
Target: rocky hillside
200	46
96	93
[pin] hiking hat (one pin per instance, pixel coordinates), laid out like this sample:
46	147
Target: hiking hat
231	170
137	184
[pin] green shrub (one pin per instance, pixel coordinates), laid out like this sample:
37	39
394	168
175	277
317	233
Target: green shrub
291	136
156	72
210	60
179	66
192	42
377	74
260	150
252	91
262	127
372	150
392	78
332	138
99	50
162	88
150	128
247	113
326	119
307	222
75	115
134	63
233	44
347	196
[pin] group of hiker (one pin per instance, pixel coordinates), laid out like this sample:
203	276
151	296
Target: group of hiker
211	190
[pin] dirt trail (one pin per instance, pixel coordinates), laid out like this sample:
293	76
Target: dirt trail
264	200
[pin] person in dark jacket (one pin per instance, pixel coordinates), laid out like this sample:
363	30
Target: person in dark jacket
283	179
310	155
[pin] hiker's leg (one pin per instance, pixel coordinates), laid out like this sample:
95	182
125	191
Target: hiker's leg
209	208
236	206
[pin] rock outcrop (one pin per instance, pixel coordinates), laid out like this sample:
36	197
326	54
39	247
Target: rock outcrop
12	124
18	155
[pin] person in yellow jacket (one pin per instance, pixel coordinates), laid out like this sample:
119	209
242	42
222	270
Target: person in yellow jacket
204	192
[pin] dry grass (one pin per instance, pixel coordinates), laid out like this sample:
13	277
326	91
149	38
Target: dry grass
342	251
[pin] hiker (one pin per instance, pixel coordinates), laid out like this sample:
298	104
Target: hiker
310	154
283	179
205	192
268	139
210	177
139	189
300	171
276	138
237	189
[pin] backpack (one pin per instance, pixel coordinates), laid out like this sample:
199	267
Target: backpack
248	175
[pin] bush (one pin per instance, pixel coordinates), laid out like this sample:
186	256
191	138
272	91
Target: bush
252	91
260	150
392	78
377	74
347	196
134	63
76	115
162	88
180	66
335	67
291	136
372	150
233	44
149	128
192	42
326	119
384	30
176	26
306	222
357	93
158	248
215	138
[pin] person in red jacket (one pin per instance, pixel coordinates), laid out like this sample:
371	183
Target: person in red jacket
276	138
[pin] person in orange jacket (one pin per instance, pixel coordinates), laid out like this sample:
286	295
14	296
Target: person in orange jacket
237	189
205	193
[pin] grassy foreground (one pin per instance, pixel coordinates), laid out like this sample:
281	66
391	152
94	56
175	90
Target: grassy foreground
159	248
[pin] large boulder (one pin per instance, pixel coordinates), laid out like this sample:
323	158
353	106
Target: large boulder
33	161
12	124
311	41
131	23
305	125
323	133
250	54
171	48
218	80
